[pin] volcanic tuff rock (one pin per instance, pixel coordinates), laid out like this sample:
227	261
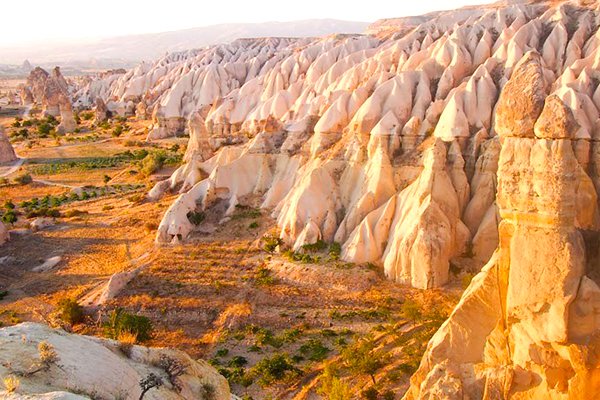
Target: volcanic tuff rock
7	153
536	300
52	92
98	368
101	112
386	143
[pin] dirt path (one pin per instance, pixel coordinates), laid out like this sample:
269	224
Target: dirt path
13	168
50	183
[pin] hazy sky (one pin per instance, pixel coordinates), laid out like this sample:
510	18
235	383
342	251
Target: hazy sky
39	21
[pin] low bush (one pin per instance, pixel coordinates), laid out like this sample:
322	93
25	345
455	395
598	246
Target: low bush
196	217
23	179
314	350
70	311
120	321
263	277
332	387
270	243
274	369
9	217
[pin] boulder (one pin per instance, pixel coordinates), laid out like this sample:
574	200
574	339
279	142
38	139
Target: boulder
87	367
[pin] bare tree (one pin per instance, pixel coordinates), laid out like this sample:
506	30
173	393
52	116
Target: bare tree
149	382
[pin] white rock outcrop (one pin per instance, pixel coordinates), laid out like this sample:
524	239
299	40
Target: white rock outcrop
386	143
88	367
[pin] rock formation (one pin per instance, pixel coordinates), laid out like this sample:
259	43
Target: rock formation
86	367
67	118
385	143
7	153
528	324
51	92
101	112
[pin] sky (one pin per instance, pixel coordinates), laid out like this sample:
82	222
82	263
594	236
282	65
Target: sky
59	21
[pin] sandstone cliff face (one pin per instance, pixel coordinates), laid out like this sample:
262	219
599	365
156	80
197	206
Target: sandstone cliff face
385	143
88	367
526	327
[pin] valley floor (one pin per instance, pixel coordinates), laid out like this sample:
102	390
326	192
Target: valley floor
220	295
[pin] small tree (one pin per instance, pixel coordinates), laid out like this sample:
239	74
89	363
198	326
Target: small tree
106	179
174	369
332	387
363	358
150	382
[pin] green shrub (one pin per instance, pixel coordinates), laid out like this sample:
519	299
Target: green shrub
120	322
222	352
335	249
388	395
314	350
88	115
237	361
319	245
44	129
411	310
118	131
370	394
265	337
270	243
152	163
362	358
9	217
253	225
245	212
263	277
332	387
195	217
70	311
24	179
274	369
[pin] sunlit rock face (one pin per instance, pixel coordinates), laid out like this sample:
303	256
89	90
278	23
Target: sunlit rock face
527	325
52	92
7	153
100	368
388	143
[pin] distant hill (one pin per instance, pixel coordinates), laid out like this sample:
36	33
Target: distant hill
134	48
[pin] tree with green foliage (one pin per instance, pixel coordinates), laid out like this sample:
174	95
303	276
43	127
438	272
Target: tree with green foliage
363	358
332	387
